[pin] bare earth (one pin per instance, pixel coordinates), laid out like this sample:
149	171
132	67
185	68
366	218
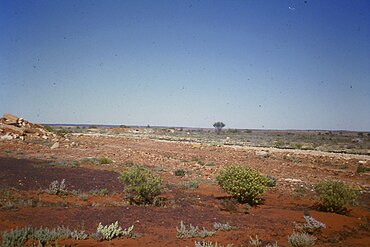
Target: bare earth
25	173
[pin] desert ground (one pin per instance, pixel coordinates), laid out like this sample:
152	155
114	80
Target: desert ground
297	160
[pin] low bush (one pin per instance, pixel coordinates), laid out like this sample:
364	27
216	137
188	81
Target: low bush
361	168
243	183
105	160
101	192
334	195
192	231
255	242
79	235
45	235
18	237
191	184
229	204
49	128
58	164
111	231
222	227
186	232
93	161
210	244
141	185
180	172
301	240
56	188
310	226
270	181
211	164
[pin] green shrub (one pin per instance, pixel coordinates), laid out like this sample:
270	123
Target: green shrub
180	172
100	192
105	160
243	183
361	168
334	195
211	164
191	184
141	185
49	128
270	181
93	161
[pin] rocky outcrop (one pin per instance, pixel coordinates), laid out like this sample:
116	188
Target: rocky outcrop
13	127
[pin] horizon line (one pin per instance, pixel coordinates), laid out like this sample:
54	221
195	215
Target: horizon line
190	127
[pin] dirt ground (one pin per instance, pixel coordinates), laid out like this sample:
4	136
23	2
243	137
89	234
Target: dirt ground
26	172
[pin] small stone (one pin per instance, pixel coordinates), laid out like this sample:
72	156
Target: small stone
55	145
293	180
6	138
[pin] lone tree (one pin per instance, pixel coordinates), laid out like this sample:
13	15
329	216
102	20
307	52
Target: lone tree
218	127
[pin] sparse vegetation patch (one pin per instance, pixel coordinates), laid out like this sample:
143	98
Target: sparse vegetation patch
43	236
191	184
192	231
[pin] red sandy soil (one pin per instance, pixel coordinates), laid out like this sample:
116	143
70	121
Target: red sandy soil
156	226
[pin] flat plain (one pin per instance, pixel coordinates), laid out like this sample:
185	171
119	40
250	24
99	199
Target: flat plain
296	159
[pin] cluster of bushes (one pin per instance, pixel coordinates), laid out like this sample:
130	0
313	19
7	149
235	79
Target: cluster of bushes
191	231
142	187
244	184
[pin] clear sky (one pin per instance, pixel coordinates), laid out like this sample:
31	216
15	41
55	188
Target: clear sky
251	64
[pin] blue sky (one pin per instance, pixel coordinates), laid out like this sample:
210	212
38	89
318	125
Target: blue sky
251	64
